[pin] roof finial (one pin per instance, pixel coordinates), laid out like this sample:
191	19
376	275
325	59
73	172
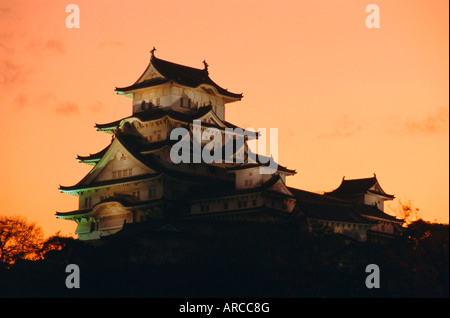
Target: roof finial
152	52
343	178
374	175
206	65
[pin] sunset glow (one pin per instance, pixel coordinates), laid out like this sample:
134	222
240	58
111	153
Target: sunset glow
347	100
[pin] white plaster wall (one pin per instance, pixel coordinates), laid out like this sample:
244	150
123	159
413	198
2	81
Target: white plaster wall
372	199
250	178
143	187
383	227
170	96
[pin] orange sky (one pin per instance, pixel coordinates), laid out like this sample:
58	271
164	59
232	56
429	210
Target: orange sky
347	100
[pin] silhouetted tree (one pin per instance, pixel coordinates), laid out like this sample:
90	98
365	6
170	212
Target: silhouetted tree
429	250
54	243
407	212
19	239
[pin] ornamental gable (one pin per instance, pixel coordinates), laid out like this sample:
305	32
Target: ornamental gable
118	163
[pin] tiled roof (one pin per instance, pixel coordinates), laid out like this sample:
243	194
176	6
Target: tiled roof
181	74
332	212
95	156
324	207
374	212
358	186
186	117
84	184
117	198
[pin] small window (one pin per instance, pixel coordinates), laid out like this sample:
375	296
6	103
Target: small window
130	172
181	102
151	193
254	202
119	174
143	105
189	103
87	202
114	174
125	173
158	102
137	194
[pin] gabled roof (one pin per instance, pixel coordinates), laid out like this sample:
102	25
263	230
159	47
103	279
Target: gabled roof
328	208
220	192
91	180
372	212
248	165
181	74
83	184
140	150
95	157
303	195
320	207
331	212
125	202
353	187
186	117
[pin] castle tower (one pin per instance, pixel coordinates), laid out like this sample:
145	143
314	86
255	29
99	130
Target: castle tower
138	177
166	84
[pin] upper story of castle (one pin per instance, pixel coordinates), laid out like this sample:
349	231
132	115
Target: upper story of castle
164	84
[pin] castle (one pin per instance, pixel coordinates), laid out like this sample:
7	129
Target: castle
141	176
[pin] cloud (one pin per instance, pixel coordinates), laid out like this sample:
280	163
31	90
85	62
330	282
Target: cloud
5	12
45	46
67	109
6	38
344	128
20	101
56	46
43	100
434	123
10	73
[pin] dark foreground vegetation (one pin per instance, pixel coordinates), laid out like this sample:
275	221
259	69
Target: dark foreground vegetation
235	260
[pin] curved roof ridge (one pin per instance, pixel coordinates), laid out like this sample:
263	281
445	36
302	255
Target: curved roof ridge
181	74
359	186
